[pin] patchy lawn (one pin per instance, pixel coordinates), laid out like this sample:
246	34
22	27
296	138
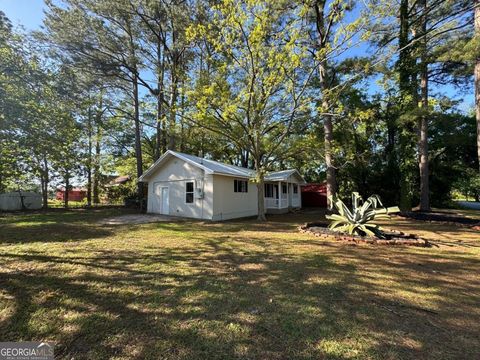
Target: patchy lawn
239	289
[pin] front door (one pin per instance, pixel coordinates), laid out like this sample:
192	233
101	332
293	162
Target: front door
164	201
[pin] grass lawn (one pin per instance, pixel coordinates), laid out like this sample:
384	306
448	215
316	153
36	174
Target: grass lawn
235	290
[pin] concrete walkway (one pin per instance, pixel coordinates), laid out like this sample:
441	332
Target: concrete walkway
138	219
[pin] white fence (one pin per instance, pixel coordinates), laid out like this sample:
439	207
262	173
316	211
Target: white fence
13	201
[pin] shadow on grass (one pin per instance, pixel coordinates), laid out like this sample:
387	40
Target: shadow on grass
223	302
59	216
56	226
10	234
223	311
274	224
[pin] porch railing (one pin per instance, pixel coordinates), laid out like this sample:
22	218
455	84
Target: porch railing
272	203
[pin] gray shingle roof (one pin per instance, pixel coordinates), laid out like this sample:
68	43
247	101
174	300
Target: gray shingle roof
215	167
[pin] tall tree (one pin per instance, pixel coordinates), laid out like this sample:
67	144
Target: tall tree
477	79
254	92
423	119
331	34
102	38
324	24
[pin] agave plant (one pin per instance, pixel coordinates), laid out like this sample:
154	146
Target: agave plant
359	219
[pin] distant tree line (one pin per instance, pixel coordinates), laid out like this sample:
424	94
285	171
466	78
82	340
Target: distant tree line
351	93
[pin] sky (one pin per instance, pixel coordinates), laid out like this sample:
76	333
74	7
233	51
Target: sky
29	14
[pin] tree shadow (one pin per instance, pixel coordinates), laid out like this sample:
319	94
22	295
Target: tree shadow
60	216
46	233
221	301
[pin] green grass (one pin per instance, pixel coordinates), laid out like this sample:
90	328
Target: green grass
235	290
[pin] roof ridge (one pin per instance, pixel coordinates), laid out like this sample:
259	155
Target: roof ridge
214	161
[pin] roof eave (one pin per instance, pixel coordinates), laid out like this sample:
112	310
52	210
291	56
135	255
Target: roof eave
151	169
233	175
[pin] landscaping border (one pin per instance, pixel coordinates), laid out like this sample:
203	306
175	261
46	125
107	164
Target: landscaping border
412	240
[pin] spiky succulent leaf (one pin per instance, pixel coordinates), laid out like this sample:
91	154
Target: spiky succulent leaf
358	220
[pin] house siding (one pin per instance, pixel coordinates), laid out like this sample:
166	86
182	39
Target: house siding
219	201
174	174
228	204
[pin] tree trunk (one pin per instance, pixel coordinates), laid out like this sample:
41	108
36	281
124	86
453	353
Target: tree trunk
96	173
136	116
173	111
160	131
261	199
67	189
331	173
260	178
45	180
182	122
477	80
2	187
325	88
404	83
408	89
244	158
423	125
138	143
22	200
175	56
89	160
163	124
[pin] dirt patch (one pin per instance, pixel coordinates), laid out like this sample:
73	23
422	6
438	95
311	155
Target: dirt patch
393	237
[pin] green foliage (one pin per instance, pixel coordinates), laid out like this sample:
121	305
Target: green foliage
237	81
359	219
468	184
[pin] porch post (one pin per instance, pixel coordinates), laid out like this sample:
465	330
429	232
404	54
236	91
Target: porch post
279	194
289	195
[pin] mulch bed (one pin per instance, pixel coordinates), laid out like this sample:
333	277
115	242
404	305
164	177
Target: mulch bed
393	237
442	218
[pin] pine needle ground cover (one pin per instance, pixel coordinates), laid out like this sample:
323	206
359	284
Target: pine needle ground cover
235	290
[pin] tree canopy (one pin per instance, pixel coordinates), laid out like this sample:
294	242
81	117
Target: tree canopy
363	95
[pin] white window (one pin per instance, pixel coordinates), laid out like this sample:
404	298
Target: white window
284	189
295	188
189	192
240	186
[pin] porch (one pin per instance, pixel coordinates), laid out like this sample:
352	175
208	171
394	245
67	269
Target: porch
281	196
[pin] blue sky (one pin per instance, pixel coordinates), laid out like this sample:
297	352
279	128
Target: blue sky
29	14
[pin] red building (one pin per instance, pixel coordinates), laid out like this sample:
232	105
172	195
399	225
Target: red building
314	195
74	194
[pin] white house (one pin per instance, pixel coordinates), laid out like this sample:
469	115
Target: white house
194	187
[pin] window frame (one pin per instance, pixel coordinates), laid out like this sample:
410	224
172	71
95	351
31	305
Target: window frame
240	186
295	189
189	192
272	192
